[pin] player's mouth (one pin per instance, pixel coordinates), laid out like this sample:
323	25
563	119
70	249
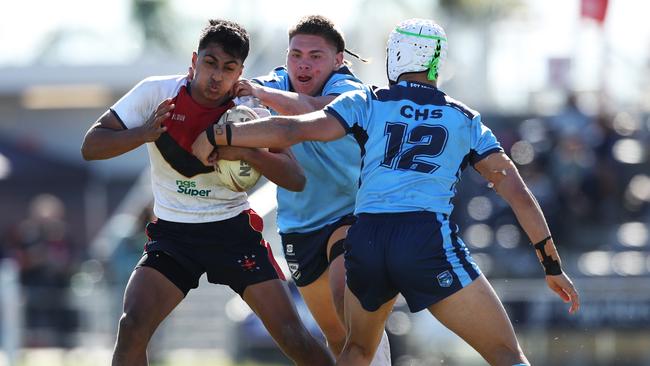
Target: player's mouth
214	87
304	79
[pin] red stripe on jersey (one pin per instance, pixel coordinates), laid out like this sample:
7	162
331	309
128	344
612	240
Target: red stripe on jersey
189	119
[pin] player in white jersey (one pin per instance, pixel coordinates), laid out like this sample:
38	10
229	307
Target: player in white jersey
313	222
201	227
415	141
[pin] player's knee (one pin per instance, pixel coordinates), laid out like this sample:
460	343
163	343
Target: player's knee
132	325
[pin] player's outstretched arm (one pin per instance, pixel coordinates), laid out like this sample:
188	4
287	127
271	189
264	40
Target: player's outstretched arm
283	102
107	138
272	132
501	172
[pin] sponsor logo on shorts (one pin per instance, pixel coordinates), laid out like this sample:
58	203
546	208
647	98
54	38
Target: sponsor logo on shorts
248	264
295	273
188	187
445	279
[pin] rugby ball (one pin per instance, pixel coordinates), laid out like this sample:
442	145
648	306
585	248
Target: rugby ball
236	175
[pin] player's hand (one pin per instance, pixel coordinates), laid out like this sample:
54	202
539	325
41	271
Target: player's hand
561	284
245	87
229	153
202	149
153	128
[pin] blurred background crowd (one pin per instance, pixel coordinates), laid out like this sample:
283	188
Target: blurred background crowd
563	84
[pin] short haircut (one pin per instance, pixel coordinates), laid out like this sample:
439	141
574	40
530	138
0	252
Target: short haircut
319	25
232	37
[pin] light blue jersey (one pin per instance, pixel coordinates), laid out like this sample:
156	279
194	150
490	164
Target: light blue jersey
415	143
331	168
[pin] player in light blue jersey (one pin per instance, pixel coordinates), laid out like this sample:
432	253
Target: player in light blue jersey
313	223
415	142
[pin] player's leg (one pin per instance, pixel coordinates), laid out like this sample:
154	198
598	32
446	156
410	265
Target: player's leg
318	298
336	272
476	314
324	297
271	302
246	264
307	255
364	330
149	297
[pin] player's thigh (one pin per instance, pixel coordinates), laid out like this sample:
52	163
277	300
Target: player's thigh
365	328
476	314
339	234
150	296
271	301
336	269
318	297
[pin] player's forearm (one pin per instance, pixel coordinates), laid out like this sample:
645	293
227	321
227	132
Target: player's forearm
288	103
524	205
280	169
104	143
531	218
273	132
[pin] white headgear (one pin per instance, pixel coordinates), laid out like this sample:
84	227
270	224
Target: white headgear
415	45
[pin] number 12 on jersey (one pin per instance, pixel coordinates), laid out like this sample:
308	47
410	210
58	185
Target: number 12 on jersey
424	141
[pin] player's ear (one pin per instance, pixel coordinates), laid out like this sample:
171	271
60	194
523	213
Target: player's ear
339	59
195	57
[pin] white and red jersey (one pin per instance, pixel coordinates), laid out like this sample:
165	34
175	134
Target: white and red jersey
184	189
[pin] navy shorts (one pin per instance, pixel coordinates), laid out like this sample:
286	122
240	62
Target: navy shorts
417	254
306	253
231	252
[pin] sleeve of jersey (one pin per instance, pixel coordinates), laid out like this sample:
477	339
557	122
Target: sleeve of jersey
340	86
350	109
133	109
483	141
274	80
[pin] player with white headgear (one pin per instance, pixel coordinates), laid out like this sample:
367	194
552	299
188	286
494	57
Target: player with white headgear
416	141
415	45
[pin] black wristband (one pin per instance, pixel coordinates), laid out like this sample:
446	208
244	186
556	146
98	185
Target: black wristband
551	266
210	134
228	135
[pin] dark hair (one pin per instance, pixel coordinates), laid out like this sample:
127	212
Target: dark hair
232	37
318	25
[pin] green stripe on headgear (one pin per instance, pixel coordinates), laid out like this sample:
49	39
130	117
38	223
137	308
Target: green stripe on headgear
433	65
420	35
